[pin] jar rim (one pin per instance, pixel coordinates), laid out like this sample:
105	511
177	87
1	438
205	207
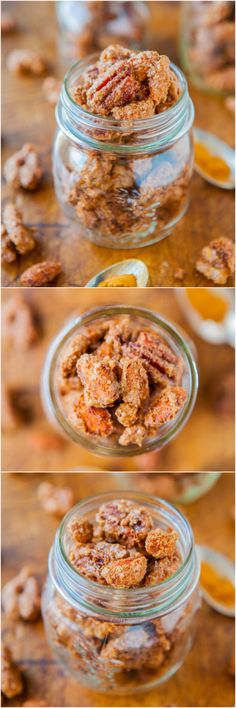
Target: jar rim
168	430
99	599
155	131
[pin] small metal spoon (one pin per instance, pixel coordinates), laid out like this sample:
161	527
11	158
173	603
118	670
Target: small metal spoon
225	568
213	332
130	266
219	149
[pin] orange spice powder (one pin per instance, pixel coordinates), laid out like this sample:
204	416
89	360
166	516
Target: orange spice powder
212	165
220	588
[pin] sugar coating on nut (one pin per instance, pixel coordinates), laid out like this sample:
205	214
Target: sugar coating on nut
121	520
160	543
11	678
81	530
26	61
19	235
128	85
21	596
217	260
125	573
117	367
40	274
55	500
23	168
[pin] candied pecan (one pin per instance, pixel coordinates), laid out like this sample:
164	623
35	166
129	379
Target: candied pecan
40	274
161	362
127	414
165	406
136	109
98	629
83	342
21	596
51	89
99	378
23	168
134	435
115	87
81	530
137	647
159	570
97	421
9	253
160	543
19	235
55	500
217	260
90	558
134	381
122	520
11	678
8	23
19	322
125	573
26	61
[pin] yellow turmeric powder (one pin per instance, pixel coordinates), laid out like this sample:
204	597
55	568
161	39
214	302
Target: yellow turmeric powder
212	165
119	281
220	588
209	304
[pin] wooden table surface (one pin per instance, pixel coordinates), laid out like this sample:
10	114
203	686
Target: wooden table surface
27	117
202	681
206	442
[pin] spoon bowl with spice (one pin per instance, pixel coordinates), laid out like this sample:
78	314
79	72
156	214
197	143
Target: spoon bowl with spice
214	160
209	312
130	273
217	580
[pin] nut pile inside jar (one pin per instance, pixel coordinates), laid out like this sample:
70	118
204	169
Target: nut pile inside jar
122	549
120	379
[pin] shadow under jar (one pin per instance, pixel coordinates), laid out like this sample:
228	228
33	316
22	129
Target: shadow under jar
124	183
86	27
121	640
57	402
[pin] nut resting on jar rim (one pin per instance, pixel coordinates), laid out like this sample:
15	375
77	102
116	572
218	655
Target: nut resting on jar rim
120	380
117	617
123	154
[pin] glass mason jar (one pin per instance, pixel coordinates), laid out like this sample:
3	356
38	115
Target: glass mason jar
54	404
177	487
124	184
207	44
116	639
87	27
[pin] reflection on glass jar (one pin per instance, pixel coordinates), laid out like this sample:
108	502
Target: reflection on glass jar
86	27
61	388
121	640
208	44
124	184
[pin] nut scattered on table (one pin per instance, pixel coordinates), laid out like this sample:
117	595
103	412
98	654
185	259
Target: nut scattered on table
11	678
21	597
26	61
40	274
20	326
23	168
19	235
216	261
55	500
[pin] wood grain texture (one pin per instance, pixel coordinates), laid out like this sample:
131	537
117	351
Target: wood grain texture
206	442
27	117
203	679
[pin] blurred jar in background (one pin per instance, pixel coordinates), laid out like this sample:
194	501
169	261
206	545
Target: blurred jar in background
177	487
208	44
87	27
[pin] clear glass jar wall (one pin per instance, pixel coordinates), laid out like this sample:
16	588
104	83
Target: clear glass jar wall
86	27
121	640
123	184
56	405
208	44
